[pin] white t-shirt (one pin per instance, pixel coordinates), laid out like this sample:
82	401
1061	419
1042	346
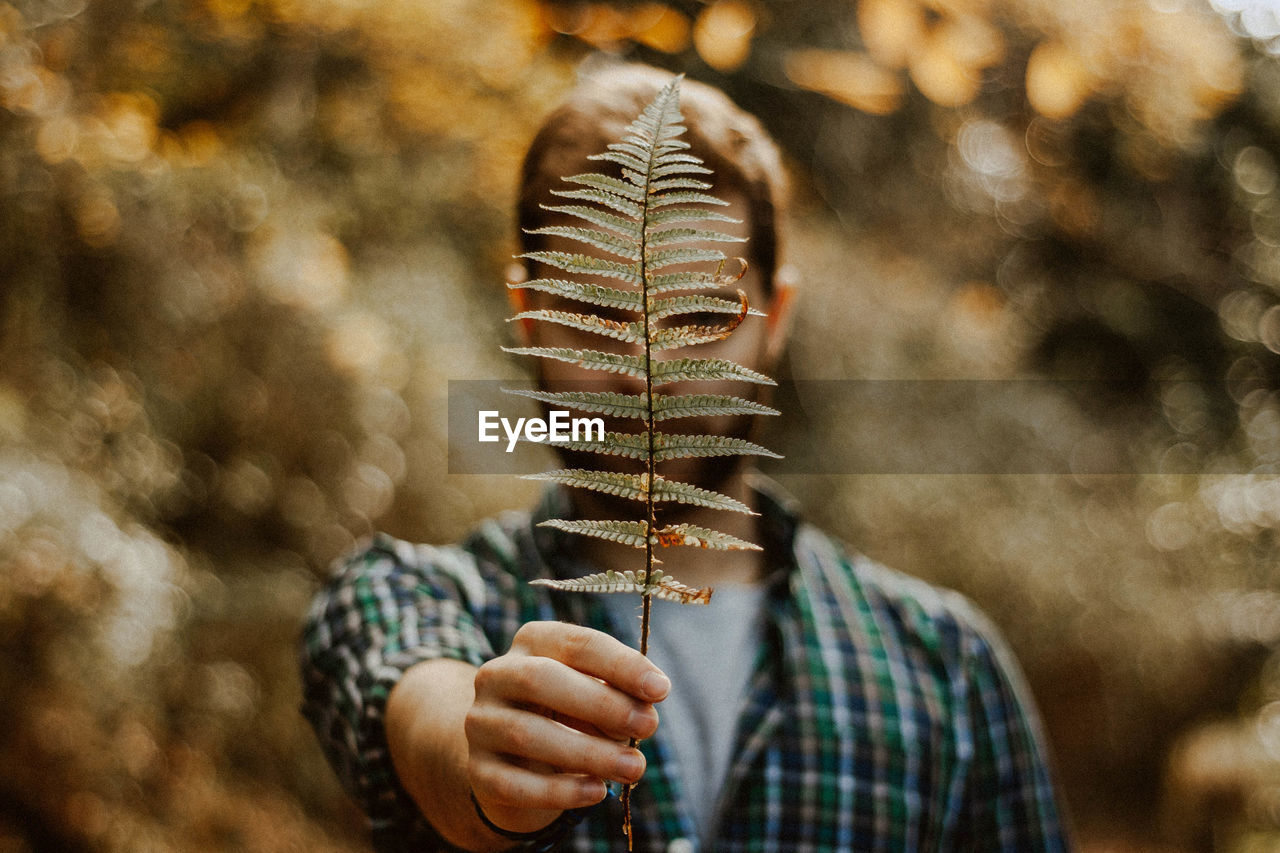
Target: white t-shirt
707	651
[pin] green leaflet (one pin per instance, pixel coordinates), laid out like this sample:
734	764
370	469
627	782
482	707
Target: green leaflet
631	445
685	198
672	215
683	336
633	533
711	369
629	365
595	294
660	585
660	339
627	332
610	185
622	225
633	145
667	236
596	402
665	406
680	167
587	265
670	257
633	487
705	405
622	205
623	532
701	537
625	159
663	372
691	280
620	246
656	187
667	446
684	446
674	305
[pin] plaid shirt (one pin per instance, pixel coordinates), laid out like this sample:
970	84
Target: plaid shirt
883	713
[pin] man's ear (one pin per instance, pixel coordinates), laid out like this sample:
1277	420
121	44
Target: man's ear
778	322
519	299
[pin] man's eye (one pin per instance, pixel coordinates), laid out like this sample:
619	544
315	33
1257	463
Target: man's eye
617	315
699	318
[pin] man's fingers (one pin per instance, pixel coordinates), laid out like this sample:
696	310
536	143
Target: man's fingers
596	654
532	737
532	681
495	781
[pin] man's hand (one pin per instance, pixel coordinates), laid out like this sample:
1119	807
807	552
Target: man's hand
532	732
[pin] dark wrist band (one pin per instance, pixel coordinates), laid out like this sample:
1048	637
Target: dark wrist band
541	839
506	833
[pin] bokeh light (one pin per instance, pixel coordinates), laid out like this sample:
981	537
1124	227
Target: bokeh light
248	243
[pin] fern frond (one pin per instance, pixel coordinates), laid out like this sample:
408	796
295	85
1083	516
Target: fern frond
709	369
701	537
635	487
618	224
623	247
660	585
675	305
595	294
644	218
587	265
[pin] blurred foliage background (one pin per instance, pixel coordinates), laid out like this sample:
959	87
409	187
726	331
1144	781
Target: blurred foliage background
246	243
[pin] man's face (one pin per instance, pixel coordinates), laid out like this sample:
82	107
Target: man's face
748	345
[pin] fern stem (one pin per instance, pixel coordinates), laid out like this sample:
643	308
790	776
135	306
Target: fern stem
646	599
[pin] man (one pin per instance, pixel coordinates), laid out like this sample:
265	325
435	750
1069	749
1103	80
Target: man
820	702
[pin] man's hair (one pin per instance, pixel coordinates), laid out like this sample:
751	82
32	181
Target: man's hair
597	112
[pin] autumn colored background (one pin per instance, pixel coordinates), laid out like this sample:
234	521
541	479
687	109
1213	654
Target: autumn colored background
245	244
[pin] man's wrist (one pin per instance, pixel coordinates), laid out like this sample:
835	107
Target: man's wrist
538	840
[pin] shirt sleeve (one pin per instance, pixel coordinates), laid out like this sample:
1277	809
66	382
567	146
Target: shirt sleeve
388	607
1010	803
